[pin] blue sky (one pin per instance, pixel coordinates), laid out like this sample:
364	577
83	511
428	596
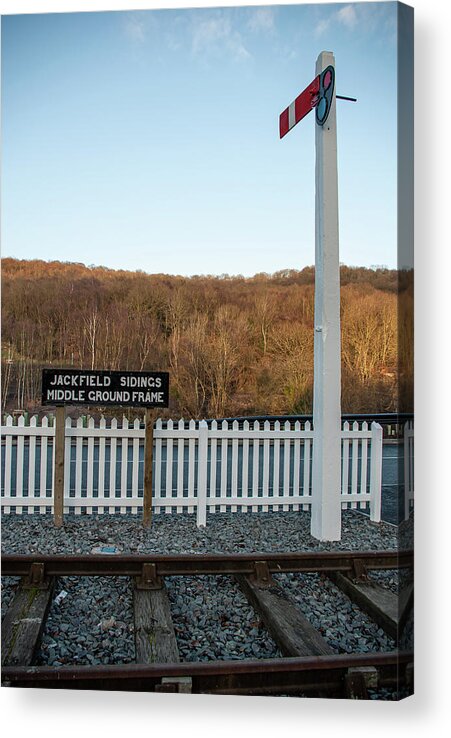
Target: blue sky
149	139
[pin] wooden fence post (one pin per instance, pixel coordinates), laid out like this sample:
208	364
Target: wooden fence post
376	473
58	487
202	474
148	460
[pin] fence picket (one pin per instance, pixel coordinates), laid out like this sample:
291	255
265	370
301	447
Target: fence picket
234	475
224	469
180	465
113	467
276	456
67	454
101	477
8	459
355	462
286	466
43	465
124	466
78	467
364	463
265	476
202	474
192	464
135	464
169	454
19	466
296	463
255	465
245	468
90	469
345	463
158	464
213	463
307	463
32	463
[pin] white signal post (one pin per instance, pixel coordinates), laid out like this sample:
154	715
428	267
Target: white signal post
326	473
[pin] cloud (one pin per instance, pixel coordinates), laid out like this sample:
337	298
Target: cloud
213	34
322	26
208	32
366	17
237	47
346	16
261	19
135	27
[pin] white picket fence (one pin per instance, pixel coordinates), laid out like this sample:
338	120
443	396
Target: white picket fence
230	466
409	468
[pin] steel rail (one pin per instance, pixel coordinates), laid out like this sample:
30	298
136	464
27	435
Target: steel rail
197	564
262	676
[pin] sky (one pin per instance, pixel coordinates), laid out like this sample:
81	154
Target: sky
149	139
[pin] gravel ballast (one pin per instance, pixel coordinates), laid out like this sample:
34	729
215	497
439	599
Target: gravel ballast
177	533
91	618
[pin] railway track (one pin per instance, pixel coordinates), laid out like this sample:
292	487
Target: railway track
309	665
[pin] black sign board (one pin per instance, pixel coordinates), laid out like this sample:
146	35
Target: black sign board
92	387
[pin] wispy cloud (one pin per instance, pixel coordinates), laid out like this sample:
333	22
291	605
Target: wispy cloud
138	24
214	33
204	33
322	26
361	17
134	27
346	16
261	19
208	32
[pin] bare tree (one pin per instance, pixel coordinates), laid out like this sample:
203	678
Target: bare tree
91	325
264	316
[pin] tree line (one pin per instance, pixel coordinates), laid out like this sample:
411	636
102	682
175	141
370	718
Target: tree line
232	345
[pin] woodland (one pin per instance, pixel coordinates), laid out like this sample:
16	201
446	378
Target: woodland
233	346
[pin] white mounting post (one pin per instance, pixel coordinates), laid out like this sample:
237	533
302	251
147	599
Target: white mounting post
326	477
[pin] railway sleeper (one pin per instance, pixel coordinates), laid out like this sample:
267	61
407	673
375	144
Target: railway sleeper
292	632
388	610
155	640
24	622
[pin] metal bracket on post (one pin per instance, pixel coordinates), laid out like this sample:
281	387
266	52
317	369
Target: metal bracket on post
149	578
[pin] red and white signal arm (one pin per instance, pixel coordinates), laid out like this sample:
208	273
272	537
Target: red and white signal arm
317	95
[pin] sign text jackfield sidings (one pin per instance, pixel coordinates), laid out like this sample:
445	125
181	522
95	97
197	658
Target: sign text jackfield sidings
93	387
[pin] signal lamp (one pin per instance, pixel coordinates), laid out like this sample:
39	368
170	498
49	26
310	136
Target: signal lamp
325	94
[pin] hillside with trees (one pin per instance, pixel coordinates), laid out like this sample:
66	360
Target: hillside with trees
233	345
